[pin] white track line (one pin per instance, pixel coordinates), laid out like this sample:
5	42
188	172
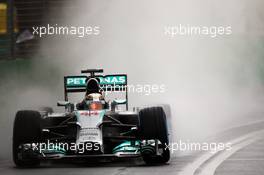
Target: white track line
237	144
210	167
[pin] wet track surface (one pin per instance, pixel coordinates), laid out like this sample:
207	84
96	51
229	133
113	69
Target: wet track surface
114	168
249	160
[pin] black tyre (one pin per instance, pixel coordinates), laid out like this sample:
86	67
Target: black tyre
153	126
27	129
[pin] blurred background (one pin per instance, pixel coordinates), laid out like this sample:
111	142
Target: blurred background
210	83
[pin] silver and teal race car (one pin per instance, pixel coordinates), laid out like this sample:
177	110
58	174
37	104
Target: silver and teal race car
93	128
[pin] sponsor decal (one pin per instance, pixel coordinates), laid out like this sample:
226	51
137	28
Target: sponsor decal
113	80
80	81
76	81
89	113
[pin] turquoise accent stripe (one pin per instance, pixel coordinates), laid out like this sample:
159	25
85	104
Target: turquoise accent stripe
127	146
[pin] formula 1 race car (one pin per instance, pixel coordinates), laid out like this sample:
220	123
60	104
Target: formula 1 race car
93	128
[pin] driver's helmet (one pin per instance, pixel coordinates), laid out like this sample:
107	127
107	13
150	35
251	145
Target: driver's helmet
95	101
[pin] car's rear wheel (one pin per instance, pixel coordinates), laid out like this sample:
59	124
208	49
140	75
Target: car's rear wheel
153	126
27	129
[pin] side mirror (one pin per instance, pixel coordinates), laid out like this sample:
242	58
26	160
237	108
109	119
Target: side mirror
69	107
120	102
63	103
116	103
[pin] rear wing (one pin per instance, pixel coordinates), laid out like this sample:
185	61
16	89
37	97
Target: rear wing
114	82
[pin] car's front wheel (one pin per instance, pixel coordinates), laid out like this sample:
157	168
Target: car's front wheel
27	129
153	126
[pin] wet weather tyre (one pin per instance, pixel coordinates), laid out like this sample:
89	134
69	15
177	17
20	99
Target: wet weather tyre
153	125
27	129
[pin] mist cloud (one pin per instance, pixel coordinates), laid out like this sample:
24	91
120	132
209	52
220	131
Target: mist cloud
210	82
